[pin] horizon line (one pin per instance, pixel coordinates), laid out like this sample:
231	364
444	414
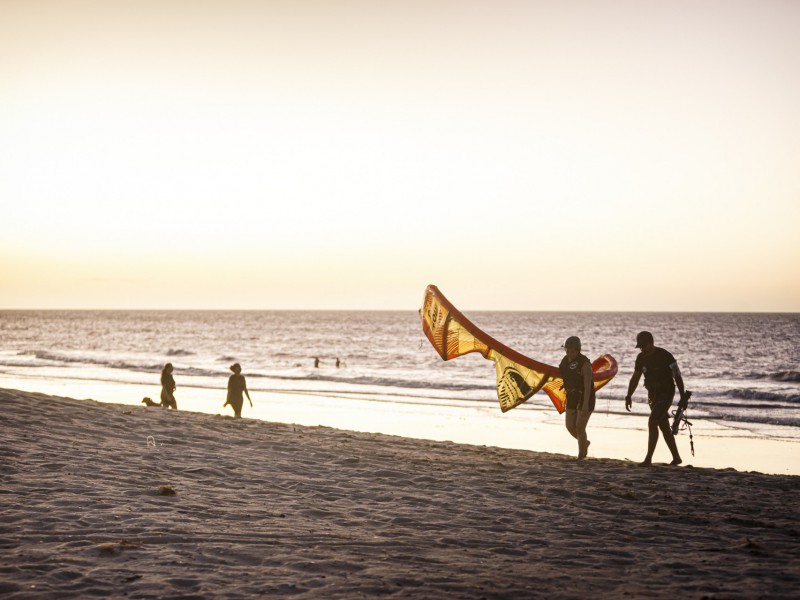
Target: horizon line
509	310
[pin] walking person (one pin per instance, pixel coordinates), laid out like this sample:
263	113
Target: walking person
236	386
576	371
168	388
661	376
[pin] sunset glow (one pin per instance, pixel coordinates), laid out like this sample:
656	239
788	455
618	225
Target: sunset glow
520	155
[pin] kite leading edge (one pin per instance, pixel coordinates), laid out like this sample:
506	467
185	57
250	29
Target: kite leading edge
518	377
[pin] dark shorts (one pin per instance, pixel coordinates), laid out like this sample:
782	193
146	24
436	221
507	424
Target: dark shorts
574	400
660	401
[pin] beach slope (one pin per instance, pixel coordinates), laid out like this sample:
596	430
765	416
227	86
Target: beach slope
104	499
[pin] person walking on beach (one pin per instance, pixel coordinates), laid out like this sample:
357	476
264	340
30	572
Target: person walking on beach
576	371
237	385
168	388
661	375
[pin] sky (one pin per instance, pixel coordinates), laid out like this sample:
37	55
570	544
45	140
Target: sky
562	155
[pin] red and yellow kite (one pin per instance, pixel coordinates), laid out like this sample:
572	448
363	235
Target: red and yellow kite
518	377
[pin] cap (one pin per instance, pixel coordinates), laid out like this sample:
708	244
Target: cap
573	341
235	367
643	339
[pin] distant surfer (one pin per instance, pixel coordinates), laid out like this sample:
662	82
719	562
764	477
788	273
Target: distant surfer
168	388
236	386
661	375
576	371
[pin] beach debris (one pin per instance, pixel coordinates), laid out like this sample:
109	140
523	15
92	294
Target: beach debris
626	494
166	490
151	441
115	547
753	547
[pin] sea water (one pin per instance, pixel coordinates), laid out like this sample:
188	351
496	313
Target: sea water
744	369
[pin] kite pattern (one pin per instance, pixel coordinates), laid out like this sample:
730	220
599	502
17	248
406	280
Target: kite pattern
518	377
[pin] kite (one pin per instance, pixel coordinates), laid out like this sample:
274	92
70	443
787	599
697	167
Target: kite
518	377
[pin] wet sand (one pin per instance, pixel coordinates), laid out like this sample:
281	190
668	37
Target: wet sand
110	499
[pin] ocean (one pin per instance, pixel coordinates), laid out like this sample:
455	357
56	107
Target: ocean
744	369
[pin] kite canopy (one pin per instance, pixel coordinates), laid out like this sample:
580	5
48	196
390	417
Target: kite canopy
518	377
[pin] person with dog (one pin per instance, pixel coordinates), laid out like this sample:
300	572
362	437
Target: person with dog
168	388
236	386
661	376
576	371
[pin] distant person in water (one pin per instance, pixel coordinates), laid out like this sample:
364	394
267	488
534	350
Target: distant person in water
316	363
236	386
576	371
168	388
661	375
338	363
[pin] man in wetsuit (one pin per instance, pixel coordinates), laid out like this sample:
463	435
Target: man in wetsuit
661	375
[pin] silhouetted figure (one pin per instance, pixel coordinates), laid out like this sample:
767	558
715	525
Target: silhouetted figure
661	375
337	362
236	386
316	363
576	371
168	388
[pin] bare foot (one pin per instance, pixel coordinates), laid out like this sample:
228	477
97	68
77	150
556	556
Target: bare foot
646	463
675	462
585	451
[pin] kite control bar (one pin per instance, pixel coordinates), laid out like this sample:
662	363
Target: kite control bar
680	417
679	413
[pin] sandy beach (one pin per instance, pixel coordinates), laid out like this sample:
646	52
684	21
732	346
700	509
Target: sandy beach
109	499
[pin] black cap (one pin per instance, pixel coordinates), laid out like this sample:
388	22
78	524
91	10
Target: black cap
643	339
573	341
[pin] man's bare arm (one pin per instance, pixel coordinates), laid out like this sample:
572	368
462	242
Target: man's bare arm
637	375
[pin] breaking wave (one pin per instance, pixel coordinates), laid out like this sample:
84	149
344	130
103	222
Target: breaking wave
752	394
784	376
179	352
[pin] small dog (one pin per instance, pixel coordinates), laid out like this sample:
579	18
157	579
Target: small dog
148	402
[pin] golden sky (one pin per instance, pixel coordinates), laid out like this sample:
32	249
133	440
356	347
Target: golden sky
591	155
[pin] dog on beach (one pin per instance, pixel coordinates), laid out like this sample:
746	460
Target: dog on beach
148	402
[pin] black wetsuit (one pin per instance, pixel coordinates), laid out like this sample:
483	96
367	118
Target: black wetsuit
658	379
236	387
572	374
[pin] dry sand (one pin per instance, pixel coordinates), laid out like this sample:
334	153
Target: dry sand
104	499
